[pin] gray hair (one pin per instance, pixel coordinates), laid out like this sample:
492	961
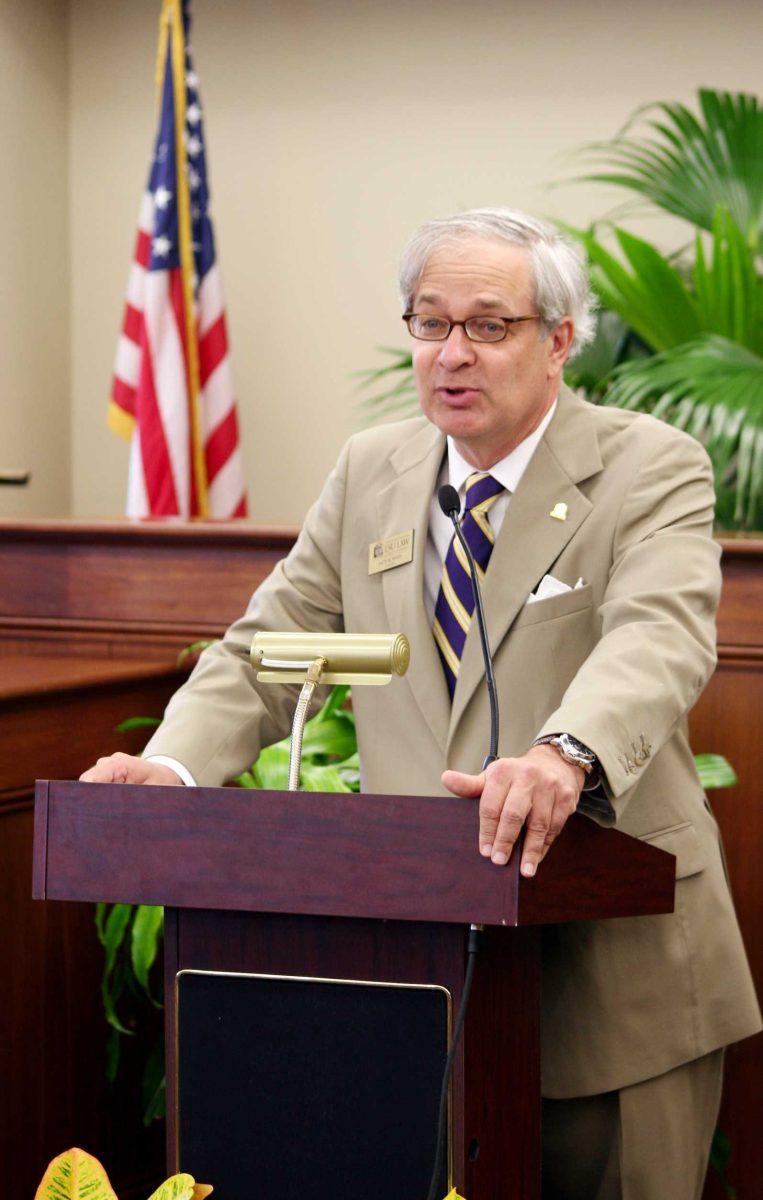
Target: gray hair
558	269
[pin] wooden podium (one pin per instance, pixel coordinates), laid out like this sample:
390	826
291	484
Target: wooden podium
378	889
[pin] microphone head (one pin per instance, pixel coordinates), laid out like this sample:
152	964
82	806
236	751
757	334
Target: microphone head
447	498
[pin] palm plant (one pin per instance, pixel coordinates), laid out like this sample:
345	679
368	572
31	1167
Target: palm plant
688	164
680	336
704	321
702	316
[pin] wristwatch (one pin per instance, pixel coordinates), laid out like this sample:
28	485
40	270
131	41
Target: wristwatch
573	751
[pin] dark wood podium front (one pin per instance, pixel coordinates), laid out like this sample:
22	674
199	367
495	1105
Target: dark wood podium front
379	889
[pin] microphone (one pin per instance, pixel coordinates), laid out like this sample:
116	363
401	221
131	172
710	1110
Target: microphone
447	498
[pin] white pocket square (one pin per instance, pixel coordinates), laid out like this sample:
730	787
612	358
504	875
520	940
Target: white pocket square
549	586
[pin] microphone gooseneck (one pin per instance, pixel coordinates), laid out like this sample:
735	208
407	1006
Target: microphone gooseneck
447	498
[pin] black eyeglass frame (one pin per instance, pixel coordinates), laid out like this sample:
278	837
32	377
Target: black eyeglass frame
508	321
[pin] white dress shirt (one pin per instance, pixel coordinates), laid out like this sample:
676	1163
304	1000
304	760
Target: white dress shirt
455	470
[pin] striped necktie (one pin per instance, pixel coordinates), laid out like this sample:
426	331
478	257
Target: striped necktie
455	602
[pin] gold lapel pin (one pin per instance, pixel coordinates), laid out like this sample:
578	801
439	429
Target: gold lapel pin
559	511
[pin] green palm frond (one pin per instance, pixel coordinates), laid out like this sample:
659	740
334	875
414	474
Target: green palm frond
667	304
394	392
715	771
688	164
713	389
614	343
648	292
728	288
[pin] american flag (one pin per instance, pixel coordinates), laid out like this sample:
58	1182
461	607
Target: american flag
172	394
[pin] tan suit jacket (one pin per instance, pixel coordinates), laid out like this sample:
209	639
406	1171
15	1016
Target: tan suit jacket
617	663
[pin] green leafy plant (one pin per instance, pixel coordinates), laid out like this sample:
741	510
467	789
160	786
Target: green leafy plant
77	1175
688	163
720	1157
668	302
615	343
131	936
701	310
712	388
704	320
714	771
329	753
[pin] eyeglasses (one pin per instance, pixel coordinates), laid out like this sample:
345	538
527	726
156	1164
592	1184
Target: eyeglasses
427	328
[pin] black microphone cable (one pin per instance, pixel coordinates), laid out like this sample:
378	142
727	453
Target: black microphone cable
442	1117
450	504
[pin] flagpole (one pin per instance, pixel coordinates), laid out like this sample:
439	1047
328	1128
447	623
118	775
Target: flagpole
173	16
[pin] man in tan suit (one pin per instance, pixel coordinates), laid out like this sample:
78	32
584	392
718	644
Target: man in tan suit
601	581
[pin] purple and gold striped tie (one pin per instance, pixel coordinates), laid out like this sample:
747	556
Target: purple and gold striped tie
455	602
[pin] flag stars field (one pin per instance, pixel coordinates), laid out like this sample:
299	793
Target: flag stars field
162	196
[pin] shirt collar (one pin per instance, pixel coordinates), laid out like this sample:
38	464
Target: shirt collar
509	470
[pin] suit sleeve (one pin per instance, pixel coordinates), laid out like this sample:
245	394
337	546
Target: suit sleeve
657	646
217	723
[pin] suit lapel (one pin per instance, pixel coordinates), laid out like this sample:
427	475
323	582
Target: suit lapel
404	503
530	539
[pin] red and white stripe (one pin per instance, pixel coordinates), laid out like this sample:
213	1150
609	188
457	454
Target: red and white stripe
219	421
151	387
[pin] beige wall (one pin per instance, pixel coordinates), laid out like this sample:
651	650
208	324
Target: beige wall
333	129
34	300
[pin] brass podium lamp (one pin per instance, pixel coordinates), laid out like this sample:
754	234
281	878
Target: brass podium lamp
313	658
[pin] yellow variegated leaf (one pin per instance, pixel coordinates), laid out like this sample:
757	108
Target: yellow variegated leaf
75	1175
181	1187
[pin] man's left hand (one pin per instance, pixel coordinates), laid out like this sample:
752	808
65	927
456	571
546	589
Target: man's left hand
539	790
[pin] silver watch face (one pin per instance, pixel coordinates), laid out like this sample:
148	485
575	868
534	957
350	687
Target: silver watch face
575	749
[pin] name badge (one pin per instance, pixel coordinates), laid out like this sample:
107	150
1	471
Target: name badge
392	552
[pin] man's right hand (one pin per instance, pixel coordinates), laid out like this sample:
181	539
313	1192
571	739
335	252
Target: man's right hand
126	768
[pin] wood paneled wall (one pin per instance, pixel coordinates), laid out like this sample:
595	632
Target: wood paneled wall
91	619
